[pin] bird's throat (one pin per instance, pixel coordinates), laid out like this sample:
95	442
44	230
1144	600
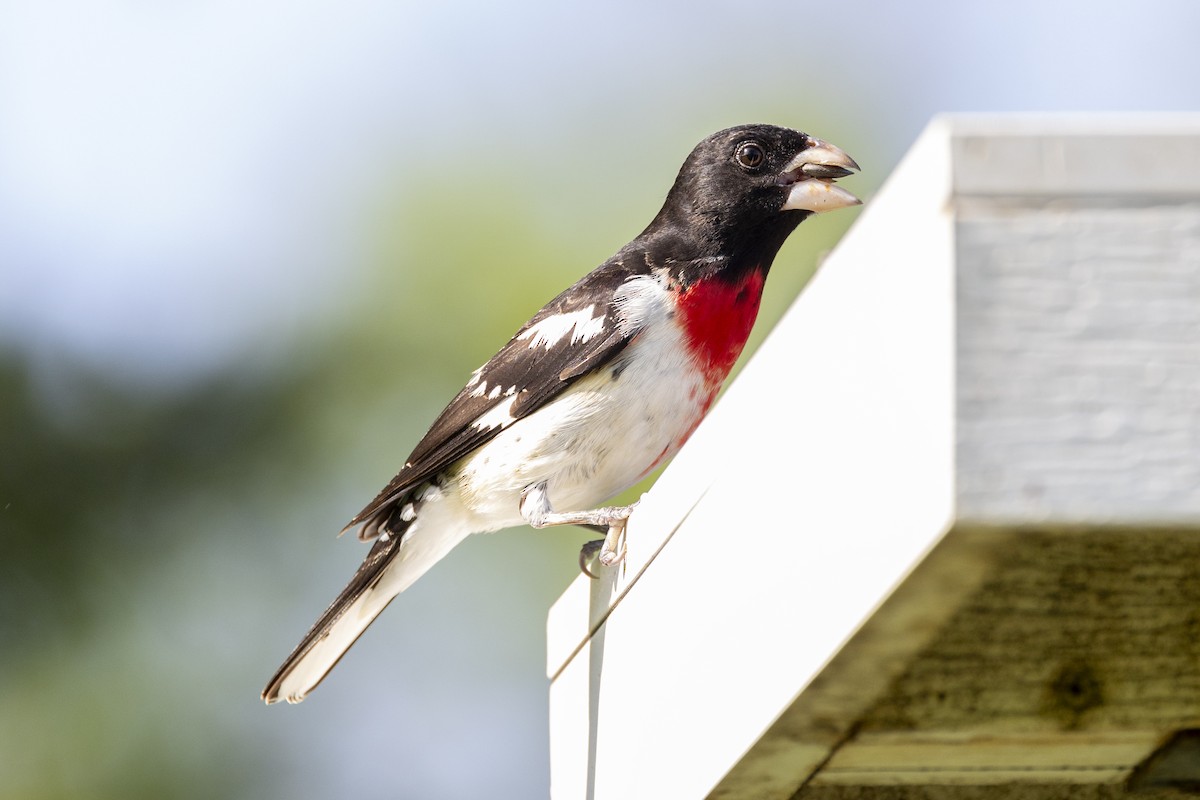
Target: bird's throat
717	315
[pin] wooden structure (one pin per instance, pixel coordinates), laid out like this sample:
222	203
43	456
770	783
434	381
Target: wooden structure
941	538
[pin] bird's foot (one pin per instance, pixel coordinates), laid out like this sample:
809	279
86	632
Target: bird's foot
610	550
537	511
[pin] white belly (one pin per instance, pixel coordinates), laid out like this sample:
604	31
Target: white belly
596	439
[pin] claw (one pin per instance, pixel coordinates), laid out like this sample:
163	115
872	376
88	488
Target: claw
586	554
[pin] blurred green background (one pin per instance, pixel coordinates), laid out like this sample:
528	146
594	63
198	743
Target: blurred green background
248	251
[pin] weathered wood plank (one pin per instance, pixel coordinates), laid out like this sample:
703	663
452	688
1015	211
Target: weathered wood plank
887	759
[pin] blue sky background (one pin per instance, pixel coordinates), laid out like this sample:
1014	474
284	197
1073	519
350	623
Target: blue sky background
151	154
358	202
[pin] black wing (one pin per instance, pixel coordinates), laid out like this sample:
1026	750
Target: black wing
573	335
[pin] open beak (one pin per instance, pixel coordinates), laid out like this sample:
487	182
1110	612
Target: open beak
811	175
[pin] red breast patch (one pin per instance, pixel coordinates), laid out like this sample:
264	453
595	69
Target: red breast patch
717	317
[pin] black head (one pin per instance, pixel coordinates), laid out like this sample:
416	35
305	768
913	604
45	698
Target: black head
744	189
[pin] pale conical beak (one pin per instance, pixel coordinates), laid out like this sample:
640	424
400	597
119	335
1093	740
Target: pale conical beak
811	175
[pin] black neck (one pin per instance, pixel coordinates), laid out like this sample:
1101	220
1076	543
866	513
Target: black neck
706	245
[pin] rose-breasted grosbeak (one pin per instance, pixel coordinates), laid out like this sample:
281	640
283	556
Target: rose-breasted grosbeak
604	384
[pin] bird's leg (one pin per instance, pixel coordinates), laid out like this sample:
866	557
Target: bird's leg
537	511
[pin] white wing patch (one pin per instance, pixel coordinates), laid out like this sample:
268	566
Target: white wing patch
581	325
499	416
482	389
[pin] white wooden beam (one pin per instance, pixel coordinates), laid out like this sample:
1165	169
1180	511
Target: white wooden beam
825	471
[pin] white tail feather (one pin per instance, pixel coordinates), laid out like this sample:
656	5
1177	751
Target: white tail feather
303	674
422	546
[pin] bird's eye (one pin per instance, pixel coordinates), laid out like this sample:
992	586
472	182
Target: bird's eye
749	155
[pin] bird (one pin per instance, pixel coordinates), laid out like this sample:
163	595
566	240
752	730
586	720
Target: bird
599	388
